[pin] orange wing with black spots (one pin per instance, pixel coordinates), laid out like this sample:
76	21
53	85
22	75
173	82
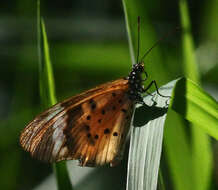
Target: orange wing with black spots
91	127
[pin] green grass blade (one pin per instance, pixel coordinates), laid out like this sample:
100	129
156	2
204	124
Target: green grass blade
129	30
195	105
47	85
62	176
209	26
202	158
189	63
47	92
202	168
178	152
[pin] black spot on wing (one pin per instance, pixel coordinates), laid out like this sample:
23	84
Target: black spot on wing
106	131
90	139
91	101
103	112
93	106
115	134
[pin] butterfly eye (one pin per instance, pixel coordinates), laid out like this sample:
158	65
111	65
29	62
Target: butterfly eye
141	67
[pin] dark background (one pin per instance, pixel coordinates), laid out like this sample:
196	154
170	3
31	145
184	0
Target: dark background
88	46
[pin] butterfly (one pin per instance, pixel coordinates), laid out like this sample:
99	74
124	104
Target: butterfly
91	127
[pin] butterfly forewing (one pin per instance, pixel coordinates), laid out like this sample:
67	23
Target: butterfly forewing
90	127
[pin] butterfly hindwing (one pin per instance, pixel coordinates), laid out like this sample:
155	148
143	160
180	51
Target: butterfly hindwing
91	127
102	129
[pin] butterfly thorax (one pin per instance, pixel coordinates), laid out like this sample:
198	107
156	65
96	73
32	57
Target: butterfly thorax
135	82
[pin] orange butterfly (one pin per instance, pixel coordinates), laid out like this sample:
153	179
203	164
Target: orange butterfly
91	127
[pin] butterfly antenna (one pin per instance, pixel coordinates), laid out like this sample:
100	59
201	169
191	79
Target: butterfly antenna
138	48
157	42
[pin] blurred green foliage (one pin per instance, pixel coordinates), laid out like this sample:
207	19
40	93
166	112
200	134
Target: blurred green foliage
86	53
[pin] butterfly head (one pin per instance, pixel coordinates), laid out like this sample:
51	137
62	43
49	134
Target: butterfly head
138	68
135	74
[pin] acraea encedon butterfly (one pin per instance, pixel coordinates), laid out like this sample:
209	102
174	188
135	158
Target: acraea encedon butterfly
90	127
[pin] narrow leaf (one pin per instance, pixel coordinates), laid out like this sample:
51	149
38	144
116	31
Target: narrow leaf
189	63
178	152
185	163
196	105
129	31
201	148
47	92
146	141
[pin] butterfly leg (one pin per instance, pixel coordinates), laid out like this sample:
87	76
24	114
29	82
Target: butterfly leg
149	94
146	76
166	102
155	84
